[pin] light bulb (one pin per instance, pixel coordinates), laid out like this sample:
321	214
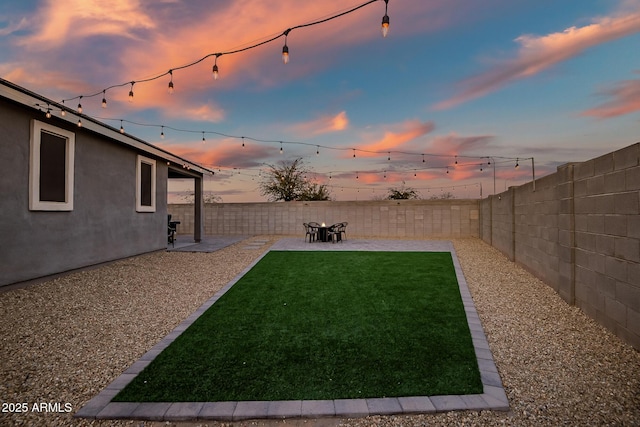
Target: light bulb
104	99
285	54
385	25
170	87
63	112
215	67
131	92
79	108
162	133
121	128
79	123
48	114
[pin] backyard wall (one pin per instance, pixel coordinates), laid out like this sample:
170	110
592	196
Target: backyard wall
578	230
401	218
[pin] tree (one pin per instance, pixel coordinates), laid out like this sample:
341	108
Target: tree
402	193
443	196
288	181
209	197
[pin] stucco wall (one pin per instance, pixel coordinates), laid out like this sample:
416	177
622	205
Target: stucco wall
579	232
402	218
103	225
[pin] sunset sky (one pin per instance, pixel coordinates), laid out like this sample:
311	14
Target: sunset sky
456	83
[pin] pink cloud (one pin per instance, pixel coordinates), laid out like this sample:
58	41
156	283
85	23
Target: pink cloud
78	19
538	53
456	145
323	124
225	153
394	139
625	99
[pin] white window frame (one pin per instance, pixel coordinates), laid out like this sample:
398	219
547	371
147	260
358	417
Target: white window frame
35	204
139	206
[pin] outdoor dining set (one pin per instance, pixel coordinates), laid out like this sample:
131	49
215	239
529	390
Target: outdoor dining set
325	233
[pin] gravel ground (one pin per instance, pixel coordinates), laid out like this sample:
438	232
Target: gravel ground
64	340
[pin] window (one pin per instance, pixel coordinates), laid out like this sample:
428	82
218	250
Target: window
51	168
146	185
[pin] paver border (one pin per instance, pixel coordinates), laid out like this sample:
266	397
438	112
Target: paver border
493	396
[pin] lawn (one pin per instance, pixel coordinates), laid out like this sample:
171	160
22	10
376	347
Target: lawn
323	325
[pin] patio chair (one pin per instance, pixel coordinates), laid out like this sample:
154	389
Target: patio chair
333	233
171	231
309	231
342	230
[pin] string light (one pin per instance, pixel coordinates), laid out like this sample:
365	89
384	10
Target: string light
243	141
170	88
48	113
104	99
121	128
215	67
385	20
317	150
80	105
62	110
162	133
517	164
285	48
281	152
203	140
258	44
79	123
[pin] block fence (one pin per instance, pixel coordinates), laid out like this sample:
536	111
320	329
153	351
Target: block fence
401	218
578	230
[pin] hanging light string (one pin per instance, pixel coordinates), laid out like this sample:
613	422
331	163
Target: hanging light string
215	69
317	147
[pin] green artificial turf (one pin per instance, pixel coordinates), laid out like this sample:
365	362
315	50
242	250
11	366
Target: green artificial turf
323	325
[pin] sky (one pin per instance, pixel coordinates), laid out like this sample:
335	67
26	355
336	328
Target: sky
453	98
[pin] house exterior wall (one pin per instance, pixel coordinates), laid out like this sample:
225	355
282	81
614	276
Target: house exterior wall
103	224
389	218
579	232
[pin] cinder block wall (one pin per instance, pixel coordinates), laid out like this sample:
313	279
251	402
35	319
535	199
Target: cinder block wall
402	218
578	230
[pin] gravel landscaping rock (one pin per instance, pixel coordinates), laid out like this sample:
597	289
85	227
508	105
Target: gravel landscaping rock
66	339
